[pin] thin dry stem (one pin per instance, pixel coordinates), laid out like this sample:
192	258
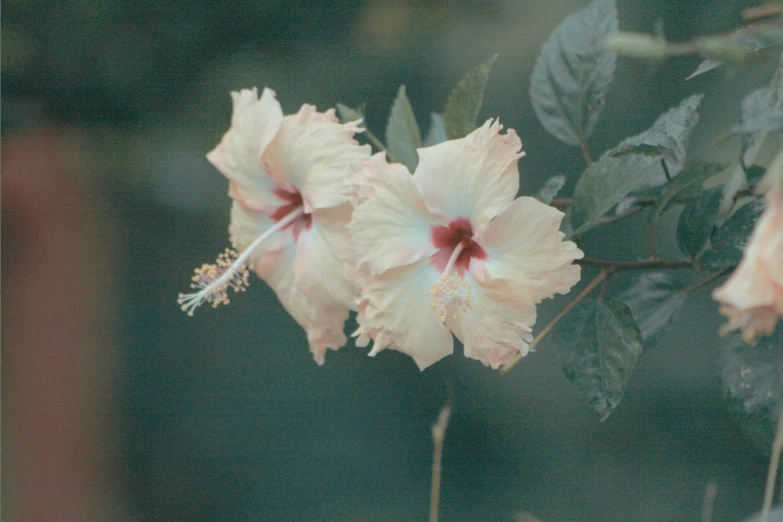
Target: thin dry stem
774	462
438	434
589	288
709	501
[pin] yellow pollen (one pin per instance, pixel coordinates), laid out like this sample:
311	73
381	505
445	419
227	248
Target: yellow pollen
213	281
450	295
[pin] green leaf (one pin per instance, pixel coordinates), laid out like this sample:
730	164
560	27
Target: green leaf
728	242
551	188
348	114
462	108
754	174
437	132
604	184
598	345
750	377
654	299
573	72
669	134
696	221
686	185
402	132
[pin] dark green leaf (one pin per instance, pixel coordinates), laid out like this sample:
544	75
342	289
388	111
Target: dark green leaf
551	188
696	221
768	121
604	184
705	66
462	108
654	299
669	134
690	179
348	114
437	132
573	71
598	345
402	132
750	376
754	174
758	102
729	240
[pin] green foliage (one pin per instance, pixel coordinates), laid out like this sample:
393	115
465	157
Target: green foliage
633	164
669	134
573	72
696	221
402	132
686	185
437	132
760	113
347	114
654	299
736	47
750	376
551	188
599	344
604	184
462	108
729	240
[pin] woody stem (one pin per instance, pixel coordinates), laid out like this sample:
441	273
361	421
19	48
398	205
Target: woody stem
584	293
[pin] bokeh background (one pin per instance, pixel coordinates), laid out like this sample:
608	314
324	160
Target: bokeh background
118	406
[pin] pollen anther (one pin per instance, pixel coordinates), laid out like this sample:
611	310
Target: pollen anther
213	281
450	295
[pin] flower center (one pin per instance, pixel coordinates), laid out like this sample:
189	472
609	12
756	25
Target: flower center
459	232
292	199
456	248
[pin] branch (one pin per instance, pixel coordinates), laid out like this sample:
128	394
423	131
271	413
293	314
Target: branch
438	434
774	461
589	288
635	265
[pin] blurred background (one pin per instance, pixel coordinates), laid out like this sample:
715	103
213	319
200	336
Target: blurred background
118	406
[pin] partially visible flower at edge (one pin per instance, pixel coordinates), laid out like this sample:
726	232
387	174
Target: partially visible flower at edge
289	213
752	298
449	249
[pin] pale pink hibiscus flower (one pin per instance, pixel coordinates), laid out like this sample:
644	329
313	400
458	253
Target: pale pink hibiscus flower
449	250
752	298
289	214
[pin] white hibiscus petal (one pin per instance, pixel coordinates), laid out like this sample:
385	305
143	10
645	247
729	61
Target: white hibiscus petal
318	272
274	261
254	124
475	177
497	326
391	224
396	313
525	248
314	153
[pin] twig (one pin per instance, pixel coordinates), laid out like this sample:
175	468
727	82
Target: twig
774	462
698	284
586	153
635	265
438	434
567	202
709	501
589	288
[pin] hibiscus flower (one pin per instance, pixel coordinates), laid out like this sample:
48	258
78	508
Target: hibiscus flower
752	298
449	250
286	177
